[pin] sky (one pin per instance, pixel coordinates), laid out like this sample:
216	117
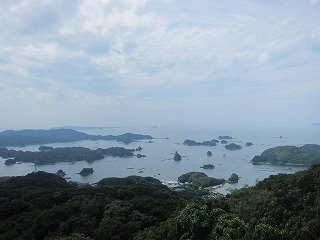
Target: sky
210	63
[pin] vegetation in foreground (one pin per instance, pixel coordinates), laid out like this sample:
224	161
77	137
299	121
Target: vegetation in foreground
45	206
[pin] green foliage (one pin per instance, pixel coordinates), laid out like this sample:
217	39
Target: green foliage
44	206
193	222
279	207
229	226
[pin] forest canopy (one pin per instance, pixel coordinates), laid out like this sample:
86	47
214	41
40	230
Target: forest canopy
45	206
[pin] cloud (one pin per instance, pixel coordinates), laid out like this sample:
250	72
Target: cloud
144	55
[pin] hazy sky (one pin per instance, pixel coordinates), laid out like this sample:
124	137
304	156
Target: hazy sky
167	62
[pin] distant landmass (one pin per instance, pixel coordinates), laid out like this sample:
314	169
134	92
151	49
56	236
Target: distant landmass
22	138
81	128
316	124
306	155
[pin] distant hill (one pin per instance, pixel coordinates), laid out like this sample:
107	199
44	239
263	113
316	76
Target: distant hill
306	155
21	138
80	128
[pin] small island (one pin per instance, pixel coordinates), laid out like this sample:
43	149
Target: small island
233	146
10	161
86	171
140	155
209	153
248	144
211	143
177	156
60	173
234	178
208	166
290	155
224	142
200	179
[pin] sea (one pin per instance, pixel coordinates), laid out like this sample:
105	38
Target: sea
159	152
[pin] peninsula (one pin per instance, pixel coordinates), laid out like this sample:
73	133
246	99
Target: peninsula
306	155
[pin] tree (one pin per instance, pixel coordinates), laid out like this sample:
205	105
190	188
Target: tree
193	222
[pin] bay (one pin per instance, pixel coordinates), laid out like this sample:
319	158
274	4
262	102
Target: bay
159	152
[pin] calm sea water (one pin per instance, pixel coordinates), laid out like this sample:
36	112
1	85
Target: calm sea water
159	162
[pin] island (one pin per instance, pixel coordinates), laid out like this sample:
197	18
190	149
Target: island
209	153
224	142
86	171
177	156
140	155
208	166
234	178
60	173
233	146
248	144
22	138
10	161
200	179
212	143
67	154
290	155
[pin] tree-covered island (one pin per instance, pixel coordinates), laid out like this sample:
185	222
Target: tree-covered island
200	179
67	154
233	146
86	171
212	142
305	155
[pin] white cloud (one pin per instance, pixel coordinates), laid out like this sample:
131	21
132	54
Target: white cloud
110	54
